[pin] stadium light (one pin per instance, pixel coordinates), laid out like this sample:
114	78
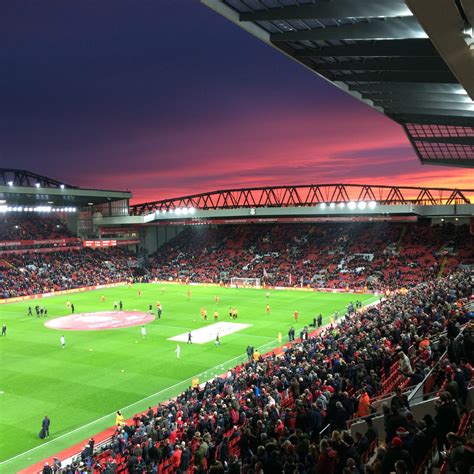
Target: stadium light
178	211
42	209
352	205
372	205
362	205
184	211
192	210
332	205
10	183
3	208
61	186
342	205
322	205
37	185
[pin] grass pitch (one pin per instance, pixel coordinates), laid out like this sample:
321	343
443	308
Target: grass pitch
80	387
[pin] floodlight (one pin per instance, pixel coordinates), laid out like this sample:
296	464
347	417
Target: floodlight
322	205
352	205
10	183
192	210
362	205
372	205
3	208
342	205
184	211
37	185
61	186
332	205
177	211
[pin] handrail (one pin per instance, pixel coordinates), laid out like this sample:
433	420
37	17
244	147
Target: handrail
420	386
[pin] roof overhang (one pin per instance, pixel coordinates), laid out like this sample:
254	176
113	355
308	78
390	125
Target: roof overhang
299	214
28	196
411	61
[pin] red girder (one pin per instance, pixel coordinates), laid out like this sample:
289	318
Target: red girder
308	195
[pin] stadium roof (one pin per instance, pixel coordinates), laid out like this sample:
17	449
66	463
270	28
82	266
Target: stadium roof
412	61
308	195
304	203
20	187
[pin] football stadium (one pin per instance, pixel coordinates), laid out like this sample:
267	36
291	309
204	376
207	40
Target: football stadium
296	328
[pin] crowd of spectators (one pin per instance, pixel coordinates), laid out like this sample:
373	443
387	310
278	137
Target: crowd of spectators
35	273
268	415
377	256
31	226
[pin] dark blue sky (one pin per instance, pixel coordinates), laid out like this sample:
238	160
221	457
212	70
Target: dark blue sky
166	97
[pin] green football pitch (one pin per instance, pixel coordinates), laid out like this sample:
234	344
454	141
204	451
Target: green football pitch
98	372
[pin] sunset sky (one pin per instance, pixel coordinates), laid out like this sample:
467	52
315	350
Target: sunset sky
166	97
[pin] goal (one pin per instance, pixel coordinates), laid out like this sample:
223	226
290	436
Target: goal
245	282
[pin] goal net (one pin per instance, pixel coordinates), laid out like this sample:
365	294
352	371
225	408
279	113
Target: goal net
245	282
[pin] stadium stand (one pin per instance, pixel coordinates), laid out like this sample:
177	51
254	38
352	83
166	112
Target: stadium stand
378	256
32	273
290	412
31	226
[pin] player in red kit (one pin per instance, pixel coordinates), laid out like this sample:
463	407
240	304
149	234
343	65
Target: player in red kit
295	315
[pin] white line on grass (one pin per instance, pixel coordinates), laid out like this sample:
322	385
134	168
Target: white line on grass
210	370
171	387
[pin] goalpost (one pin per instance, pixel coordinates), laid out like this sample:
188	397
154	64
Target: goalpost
236	282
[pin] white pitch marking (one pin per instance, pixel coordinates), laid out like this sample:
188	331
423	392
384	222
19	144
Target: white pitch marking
209	333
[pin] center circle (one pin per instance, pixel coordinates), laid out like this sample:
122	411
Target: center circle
100	321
